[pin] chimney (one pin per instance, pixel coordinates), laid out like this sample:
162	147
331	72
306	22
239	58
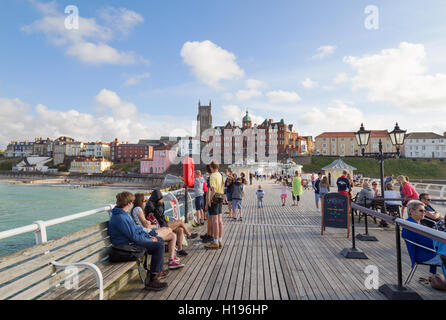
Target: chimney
233	123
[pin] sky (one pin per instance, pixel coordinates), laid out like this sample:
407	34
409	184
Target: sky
136	69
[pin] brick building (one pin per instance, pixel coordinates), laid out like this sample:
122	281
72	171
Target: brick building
129	152
344	143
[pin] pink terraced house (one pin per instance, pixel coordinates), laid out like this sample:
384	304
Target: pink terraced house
161	160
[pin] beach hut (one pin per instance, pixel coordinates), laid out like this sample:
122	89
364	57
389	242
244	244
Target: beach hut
334	170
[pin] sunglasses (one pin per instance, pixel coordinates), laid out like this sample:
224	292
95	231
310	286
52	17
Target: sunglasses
421	210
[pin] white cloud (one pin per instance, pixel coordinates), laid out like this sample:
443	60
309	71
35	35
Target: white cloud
122	19
210	63
341	77
324	52
89	42
254	84
235	113
339	117
121	120
399	77
243	95
309	84
280	96
134	80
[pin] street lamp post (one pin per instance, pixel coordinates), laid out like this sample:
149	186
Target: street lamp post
397	136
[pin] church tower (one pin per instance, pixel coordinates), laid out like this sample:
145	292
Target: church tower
204	117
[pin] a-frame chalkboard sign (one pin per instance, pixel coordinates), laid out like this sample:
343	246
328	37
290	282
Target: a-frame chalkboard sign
335	208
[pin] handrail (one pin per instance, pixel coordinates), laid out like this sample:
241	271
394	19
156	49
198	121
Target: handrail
404	199
39	227
420	229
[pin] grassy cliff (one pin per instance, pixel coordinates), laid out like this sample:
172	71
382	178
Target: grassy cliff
415	169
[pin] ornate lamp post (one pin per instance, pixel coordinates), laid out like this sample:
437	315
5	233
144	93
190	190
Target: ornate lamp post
397	137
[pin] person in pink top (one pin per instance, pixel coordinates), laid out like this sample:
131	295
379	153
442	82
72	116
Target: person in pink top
408	190
284	189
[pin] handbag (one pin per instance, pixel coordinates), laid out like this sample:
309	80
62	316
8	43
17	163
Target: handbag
218	197
125	253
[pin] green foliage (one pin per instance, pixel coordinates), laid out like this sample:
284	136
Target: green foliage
7	164
415	169
127	167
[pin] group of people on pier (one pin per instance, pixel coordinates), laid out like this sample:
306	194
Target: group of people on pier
140	221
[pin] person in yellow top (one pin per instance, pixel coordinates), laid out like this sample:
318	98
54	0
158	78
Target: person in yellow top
297	189
214	203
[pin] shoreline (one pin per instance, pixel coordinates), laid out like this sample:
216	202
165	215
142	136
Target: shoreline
74	184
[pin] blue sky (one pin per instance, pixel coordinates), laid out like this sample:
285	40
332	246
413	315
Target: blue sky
136	69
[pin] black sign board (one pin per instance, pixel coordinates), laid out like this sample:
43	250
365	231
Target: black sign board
335	212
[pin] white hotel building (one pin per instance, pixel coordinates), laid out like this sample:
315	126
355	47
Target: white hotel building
425	145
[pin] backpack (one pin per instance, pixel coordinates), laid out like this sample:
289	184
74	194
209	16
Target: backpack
125	253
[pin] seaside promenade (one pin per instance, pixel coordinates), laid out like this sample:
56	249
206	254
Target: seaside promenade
278	253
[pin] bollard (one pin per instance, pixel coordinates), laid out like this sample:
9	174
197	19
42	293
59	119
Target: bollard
353	253
366	236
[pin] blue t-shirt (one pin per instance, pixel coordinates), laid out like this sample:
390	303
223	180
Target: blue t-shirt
420	254
260	193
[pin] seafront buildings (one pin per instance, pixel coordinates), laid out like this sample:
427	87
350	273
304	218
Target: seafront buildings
129	152
281	139
425	145
344	143
90	165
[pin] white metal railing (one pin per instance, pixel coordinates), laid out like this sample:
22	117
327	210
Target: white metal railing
40	227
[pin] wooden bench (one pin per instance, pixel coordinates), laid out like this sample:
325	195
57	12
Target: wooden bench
48	270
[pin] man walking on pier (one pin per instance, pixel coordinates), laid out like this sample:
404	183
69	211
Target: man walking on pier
215	203
343	184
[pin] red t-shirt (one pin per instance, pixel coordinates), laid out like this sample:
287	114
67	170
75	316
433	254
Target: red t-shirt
410	192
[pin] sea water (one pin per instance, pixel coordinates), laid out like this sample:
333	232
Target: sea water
21	205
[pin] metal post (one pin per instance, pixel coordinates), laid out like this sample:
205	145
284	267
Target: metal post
366	236
353	230
186	204
398	256
353	253
398	292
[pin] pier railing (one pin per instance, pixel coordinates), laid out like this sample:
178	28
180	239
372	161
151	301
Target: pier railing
176	211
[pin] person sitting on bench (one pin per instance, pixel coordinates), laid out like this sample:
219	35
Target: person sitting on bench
433	218
416	212
123	230
366	195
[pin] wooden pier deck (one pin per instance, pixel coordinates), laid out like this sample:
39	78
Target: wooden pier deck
278	253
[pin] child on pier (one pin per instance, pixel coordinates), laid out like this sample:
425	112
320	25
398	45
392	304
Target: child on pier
284	189
260	195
